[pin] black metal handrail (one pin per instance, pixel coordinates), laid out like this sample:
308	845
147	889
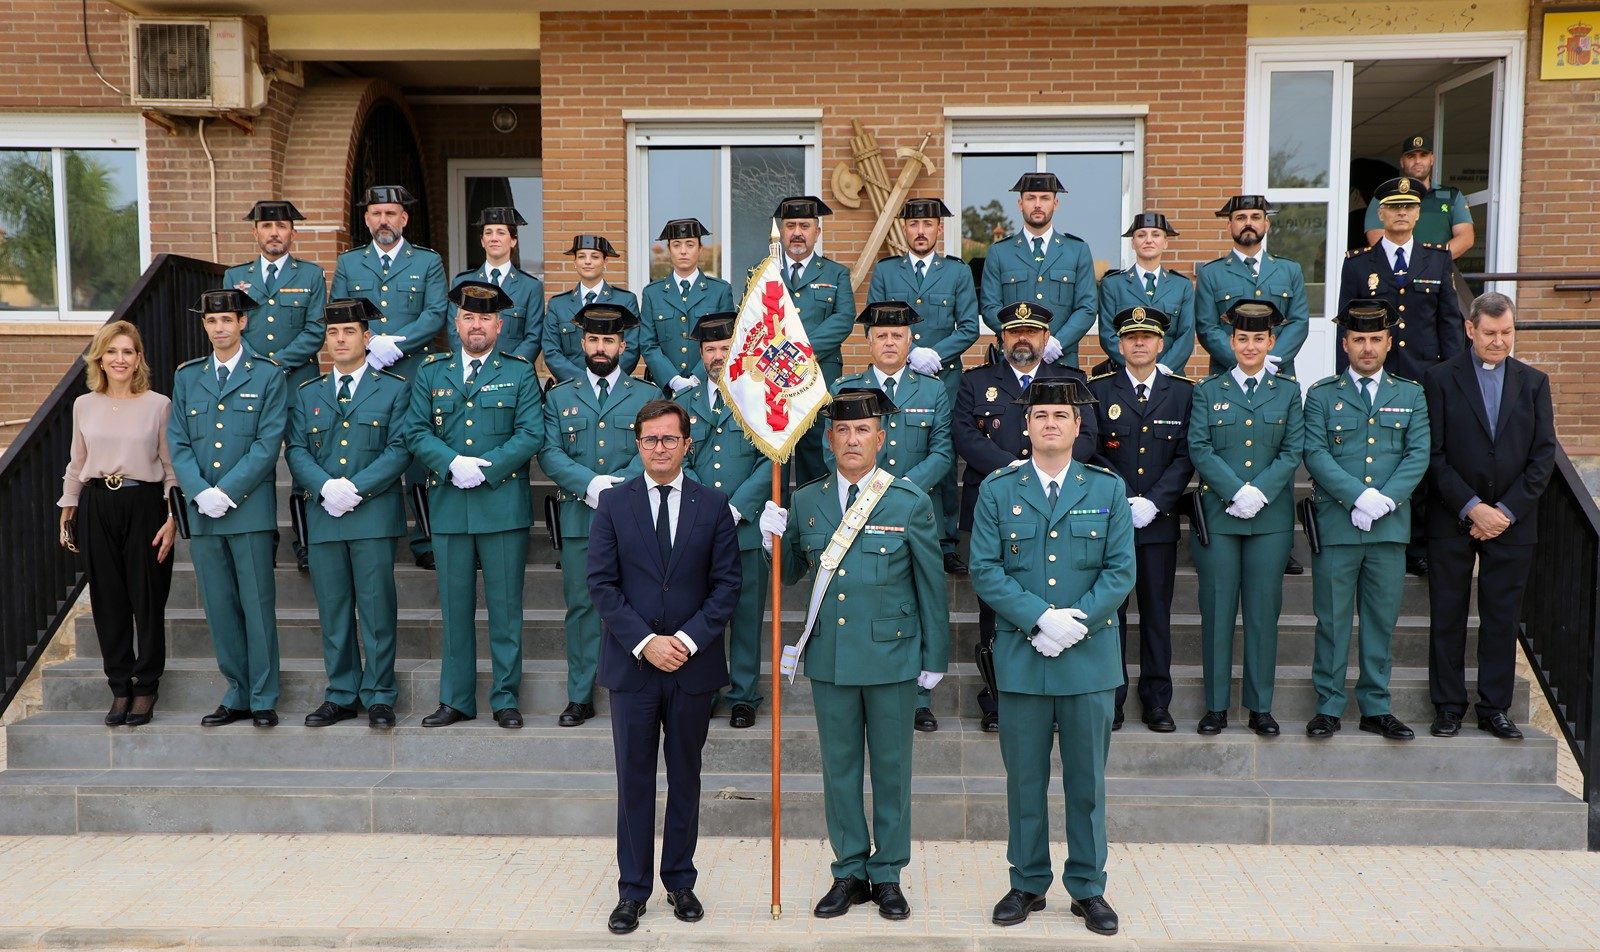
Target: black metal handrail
41	580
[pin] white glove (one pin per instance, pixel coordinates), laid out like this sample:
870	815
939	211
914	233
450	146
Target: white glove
334	509
1143	510
679	384
340	493
774	523
1075	626
1249	501
467	471
1165	370
384	350
928	680
1361	520
213	502
924	360
1042	644
1052	350
1375	504
598	485
1056	625
1273	360
734	511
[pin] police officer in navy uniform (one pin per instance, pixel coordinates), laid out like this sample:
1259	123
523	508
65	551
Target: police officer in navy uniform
1042	266
1150	284
990	427
1144	435
671	306
940	288
407	283
522	322
563	338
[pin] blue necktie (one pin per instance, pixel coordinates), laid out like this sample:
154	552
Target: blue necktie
664	525
1026	379
1400	265
222	377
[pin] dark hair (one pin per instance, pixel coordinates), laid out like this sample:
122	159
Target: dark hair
661	408
1492	303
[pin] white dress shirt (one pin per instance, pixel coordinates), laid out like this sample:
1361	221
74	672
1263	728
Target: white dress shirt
232	363
1389	248
610	379
674	506
466	364
354	375
1059	480
282	263
844	487
1239	377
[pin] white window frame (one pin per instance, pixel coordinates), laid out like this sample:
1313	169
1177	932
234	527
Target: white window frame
1044	130
459	170
710	129
54	133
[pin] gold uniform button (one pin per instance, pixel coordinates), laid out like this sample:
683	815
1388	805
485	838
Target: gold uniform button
1369	479
384	304
1249	442
1051	557
1142	449
841	621
882	549
1371	421
347	424
341	461
716	465
1053	533
599	462
219	426
469	423
220	407
841	596
717	484
1369	459
1013	535
1372	439
469	404
717	448
1144	430
602	424
891	462
1141	471
1402	343
1050	581
601	444
341	443
216	465
1247	464
1249	423
270	318
384	288
469	441
1093	534
218	445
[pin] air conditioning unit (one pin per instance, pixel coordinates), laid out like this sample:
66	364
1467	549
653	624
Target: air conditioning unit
196	67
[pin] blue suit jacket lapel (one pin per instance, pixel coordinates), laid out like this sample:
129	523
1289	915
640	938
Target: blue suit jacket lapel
688	509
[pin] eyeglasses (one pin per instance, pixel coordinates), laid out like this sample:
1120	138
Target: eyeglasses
667	442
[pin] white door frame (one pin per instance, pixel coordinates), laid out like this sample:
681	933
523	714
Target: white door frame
1441	143
459	170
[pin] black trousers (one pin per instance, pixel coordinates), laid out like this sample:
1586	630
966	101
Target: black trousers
1502	576
1157	563
127	586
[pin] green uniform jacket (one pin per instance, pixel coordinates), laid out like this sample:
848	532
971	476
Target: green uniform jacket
917	443
498	418
288	325
581	441
563	340
412	298
721	456
1232	442
523	330
827	303
229	439
1028	557
1062	282
666	318
885	616
1226	280
946	301
1349	450
363	441
1174	297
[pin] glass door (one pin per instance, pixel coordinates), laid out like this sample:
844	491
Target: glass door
1466	141
476	184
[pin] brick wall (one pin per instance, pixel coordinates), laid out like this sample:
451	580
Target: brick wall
896	73
452	131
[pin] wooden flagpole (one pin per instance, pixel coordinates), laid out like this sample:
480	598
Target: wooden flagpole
777	678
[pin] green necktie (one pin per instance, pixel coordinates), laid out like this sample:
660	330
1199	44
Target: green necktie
1251	264
1053	493
605	391
922	272
1250	388
1038	247
344	388
888	388
1366	393
272	277
387	261
222	376
472	371
850	497
1150	284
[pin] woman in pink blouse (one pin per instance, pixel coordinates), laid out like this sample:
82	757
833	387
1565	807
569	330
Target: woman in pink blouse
113	510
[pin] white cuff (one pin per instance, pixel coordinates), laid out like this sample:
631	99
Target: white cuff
687	642
638	649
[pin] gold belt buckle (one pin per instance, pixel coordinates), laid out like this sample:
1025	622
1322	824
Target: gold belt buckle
114	481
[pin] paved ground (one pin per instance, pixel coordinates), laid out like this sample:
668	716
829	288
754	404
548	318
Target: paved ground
504	892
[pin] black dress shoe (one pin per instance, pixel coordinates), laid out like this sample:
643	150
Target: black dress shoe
574	714
266	718
302	559
1388	725
1014	907
1159	720
380	715
1325	725
743	716
685	906
445	716
141	711
1499	725
625	918
425	561
1417	566
508	717
1214	722
223	715
1096	914
990	722
1116	720
329	713
953	564
924	720
1445	724
1293	568
891	901
118	715
846	892
1262	723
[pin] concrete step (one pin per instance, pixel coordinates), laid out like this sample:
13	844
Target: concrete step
275	800
78	740
544	635
192	687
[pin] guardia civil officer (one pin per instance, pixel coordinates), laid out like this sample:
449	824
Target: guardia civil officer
822	291
523	321
672	305
563	338
1039	265
1150	284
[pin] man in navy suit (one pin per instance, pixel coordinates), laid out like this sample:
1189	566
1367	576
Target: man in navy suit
664	576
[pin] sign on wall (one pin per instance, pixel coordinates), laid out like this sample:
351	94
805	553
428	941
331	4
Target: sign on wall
1569	45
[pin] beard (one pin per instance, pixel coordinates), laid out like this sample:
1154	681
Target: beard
386	235
600	365
1022	354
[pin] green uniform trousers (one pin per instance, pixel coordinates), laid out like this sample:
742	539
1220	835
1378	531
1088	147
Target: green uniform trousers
1343	578
1025	738
503	557
583	622
239	593
880	715
1222	568
746	631
354	585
